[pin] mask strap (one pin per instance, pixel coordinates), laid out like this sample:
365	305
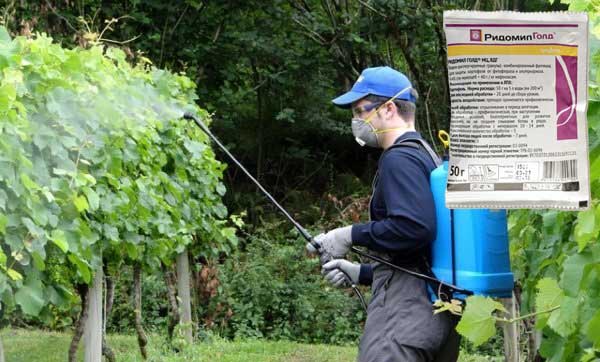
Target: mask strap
379	131
368	119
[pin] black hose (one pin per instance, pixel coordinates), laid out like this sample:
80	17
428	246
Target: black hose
427	278
360	297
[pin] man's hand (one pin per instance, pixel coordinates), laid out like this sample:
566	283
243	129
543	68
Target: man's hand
336	271
334	245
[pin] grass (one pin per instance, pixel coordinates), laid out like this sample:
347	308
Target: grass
34	345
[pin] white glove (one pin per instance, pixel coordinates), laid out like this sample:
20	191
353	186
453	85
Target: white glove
337	270
334	245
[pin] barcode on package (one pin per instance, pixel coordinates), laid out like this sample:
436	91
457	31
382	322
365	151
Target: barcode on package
560	170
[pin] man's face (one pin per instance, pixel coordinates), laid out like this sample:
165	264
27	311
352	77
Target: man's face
364	109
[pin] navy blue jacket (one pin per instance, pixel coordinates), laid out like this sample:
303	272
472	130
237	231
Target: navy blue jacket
402	208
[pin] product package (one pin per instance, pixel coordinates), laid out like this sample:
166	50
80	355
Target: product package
518	94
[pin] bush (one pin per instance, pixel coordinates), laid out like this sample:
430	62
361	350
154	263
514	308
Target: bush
275	291
155	311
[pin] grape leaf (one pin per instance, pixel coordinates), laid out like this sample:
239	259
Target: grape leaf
549	296
585	230
221	189
573	272
58	237
564	320
478	323
28	182
31	297
4	36
553	348
3	222
82	267
14	275
92	198
81	203
593	329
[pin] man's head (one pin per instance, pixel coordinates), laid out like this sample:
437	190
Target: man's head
378	81
383	106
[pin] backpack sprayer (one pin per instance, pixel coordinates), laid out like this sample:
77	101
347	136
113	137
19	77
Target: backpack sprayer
448	288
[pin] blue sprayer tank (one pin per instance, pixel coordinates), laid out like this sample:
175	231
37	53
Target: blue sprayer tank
478	258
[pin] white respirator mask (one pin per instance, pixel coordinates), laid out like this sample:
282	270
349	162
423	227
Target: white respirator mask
364	132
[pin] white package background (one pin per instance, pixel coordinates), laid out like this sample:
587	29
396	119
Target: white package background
518	91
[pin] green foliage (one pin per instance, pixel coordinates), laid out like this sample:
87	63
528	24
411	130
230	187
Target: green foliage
477	323
155	310
548	297
275	291
270	289
95	162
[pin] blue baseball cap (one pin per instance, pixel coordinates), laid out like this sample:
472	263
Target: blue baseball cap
379	81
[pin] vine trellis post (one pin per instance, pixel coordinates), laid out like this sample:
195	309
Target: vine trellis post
92	337
183	291
511	331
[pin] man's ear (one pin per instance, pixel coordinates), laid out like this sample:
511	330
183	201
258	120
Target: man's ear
390	110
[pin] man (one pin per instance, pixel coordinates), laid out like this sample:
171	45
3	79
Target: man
400	322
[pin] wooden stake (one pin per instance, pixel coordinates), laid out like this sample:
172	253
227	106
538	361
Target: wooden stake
109	297
137	297
538	342
170	282
183	291
511	331
92	337
1	351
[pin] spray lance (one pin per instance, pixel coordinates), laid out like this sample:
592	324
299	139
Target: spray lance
306	235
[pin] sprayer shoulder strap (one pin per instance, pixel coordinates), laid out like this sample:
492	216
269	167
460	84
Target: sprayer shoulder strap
414	143
425	267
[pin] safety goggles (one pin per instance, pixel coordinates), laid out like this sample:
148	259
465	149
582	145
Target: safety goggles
357	111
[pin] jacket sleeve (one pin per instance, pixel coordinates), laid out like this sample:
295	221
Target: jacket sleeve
365	276
409	207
